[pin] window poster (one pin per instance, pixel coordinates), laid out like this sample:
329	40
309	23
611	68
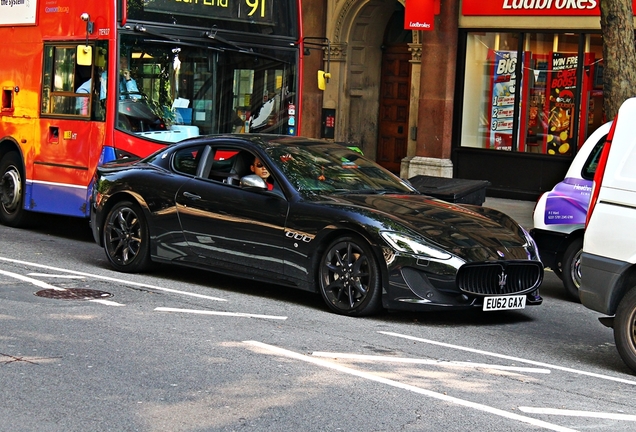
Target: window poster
560	104
503	98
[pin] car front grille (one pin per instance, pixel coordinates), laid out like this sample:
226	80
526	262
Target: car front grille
500	278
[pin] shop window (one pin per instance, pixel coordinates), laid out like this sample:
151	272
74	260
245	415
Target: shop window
536	111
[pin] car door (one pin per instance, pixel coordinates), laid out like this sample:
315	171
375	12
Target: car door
230	228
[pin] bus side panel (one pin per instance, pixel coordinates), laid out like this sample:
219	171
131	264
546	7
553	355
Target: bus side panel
64	165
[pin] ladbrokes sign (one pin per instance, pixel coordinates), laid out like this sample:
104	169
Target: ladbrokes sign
420	14
532	7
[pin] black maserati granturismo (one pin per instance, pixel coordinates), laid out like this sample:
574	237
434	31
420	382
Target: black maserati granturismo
314	215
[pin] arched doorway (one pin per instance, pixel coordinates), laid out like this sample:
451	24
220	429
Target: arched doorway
395	94
371	59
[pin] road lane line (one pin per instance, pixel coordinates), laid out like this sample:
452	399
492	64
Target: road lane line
507	357
55	276
389	359
575	413
107	302
414	389
234	314
35	282
124	282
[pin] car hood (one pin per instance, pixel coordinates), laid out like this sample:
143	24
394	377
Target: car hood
471	232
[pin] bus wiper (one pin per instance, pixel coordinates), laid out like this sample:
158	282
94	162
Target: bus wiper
212	34
142	29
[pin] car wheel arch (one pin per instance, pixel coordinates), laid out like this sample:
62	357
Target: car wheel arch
118	197
567	241
626	283
328	235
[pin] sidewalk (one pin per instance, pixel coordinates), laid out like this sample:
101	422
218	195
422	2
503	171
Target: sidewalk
521	211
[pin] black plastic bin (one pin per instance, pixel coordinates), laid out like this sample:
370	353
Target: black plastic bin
460	191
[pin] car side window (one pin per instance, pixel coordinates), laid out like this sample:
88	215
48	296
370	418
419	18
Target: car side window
225	164
186	160
589	168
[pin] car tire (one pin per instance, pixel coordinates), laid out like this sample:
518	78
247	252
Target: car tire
126	239
625	329
12	212
349	278
572	269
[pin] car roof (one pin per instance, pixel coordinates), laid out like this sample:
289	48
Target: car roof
259	140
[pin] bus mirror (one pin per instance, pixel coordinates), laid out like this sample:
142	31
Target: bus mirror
84	55
323	79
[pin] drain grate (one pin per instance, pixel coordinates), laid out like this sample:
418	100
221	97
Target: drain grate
73	294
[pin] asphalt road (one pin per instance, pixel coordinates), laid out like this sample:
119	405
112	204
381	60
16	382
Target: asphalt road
185	350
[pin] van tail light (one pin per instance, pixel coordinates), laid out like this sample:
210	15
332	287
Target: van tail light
600	171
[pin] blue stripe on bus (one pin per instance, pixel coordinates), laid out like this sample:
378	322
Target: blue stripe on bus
57	198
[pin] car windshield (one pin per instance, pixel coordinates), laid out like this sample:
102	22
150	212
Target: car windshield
324	168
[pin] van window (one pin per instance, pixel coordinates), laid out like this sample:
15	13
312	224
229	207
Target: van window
589	168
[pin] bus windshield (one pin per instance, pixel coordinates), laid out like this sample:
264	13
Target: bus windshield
170	90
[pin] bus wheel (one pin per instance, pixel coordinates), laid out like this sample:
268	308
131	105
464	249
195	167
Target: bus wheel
12	211
126	239
625	329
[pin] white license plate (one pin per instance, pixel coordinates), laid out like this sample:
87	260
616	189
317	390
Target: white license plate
504	303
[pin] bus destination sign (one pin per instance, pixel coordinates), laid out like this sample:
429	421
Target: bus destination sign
256	11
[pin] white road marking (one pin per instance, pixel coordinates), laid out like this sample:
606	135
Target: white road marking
234	314
371	377
112	279
389	359
55	276
35	282
107	302
507	357
574	413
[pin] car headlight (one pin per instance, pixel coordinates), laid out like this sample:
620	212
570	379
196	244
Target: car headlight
407	244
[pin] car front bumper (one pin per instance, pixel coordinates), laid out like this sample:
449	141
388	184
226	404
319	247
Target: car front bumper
415	287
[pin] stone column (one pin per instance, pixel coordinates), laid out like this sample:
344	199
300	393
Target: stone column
437	91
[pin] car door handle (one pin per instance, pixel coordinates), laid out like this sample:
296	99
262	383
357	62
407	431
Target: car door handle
191	196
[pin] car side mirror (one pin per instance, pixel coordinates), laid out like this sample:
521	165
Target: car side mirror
253	181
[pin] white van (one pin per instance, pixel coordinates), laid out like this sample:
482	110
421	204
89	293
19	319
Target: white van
559	215
608	262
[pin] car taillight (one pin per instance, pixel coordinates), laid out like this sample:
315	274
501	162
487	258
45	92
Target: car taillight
600	171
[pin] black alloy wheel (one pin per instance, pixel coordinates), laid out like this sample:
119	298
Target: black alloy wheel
126	239
625	329
349	279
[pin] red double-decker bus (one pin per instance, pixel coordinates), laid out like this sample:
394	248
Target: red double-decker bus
87	82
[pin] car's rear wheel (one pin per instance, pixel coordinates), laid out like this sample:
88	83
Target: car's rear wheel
625	329
572	269
12	212
126	239
349	278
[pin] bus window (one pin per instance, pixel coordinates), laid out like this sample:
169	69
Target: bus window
72	89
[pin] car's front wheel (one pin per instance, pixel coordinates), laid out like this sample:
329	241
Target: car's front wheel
349	278
126	239
625	329
572	269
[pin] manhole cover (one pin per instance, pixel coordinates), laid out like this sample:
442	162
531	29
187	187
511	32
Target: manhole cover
73	294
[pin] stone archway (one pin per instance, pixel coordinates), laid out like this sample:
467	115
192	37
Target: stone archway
356	29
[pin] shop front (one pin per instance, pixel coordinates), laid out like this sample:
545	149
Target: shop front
529	91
